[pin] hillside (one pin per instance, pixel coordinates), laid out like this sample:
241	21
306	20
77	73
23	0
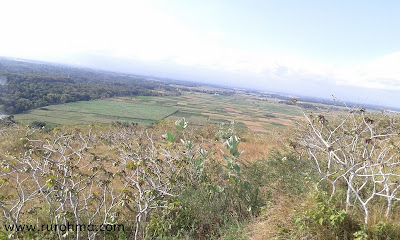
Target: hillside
88	154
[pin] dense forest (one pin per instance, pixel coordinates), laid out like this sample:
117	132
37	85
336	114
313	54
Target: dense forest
25	86
26	91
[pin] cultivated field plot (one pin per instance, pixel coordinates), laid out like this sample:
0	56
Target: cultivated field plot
257	114
98	111
248	110
198	108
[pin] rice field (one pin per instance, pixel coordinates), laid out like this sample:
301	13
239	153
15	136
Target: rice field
98	111
198	108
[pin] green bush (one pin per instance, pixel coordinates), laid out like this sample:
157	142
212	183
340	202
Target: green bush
211	207
321	216
286	173
37	124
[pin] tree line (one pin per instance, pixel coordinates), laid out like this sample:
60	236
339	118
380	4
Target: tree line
27	91
26	86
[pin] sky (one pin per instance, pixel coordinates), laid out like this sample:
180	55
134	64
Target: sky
350	49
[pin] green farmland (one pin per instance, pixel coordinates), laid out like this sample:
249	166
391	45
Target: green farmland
98	111
198	108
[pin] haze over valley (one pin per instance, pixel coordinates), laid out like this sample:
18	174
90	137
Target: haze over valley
311	48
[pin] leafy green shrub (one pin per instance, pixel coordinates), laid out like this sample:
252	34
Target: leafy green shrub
286	173
38	124
384	231
226	195
326	219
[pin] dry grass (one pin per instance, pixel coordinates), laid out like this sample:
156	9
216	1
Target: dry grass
258	149
276	222
390	227
258	146
255	146
10	138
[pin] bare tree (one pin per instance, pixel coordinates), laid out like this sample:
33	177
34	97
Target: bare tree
73	182
356	150
143	171
153	174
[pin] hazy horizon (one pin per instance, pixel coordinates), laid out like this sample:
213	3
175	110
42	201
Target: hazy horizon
310	48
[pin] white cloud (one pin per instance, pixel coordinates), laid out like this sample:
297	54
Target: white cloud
382	73
47	29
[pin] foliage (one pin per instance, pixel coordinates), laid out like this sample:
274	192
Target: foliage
162	183
286	174
322	216
38	124
226	195
25	85
23	91
225	131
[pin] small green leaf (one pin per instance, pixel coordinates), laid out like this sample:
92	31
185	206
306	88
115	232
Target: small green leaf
229	165
233	150
321	220
228	159
237	168
171	138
